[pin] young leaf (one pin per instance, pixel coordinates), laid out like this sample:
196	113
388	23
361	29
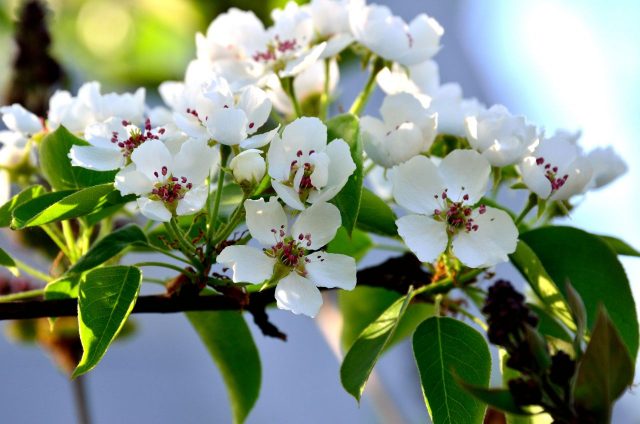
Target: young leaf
355	246
376	216
620	246
228	339
542	284
548	325
56	165
595	272
445	348
29	193
8	262
106	298
108	247
500	399
347	127
71	205
365	351
579	314
605	371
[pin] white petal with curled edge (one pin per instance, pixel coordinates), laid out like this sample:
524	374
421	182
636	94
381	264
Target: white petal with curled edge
248	264
263	217
321	221
468	169
426	237
415	183
259	140
277	158
341	164
190	125
305	134
228	126
332	270
288	195
194	161
193	201
131	181
304	61
298	295
154	209
336	44
97	158
19	119
496	238
256	105
150	157
320	175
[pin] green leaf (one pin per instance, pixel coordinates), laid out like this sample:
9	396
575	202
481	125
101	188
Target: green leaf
56	165
594	270
355	246
620	246
605	371
228	339
8	262
548	325
106	298
29	193
376	216
347	127
579	315
108	247
65	287
445	348
500	399
362	305
63	205
365	351
447	143
531	268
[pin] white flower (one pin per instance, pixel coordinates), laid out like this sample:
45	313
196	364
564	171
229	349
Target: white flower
407	129
5	187
420	79
21	126
112	143
331	22
556	168
304	168
390	37
20	120
607	166
248	167
443	210
291	254
167	184
503	139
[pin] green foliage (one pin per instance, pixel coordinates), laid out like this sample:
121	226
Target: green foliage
365	351
229	342
29	193
109	247
593	269
8	262
64	287
56	165
376	216
355	246
620	246
106	298
548	325
447	143
347	127
499	399
443	348
63	205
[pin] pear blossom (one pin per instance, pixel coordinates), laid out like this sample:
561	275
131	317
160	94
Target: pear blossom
304	168
331	22
391	38
21	125
406	130
168	185
291	255
444	210
607	166
248	167
556	169
503	139
21	121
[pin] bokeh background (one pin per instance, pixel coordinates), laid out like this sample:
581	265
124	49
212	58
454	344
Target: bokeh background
563	63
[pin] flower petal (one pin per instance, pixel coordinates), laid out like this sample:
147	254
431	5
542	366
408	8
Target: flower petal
415	183
288	195
465	172
154	209
228	126
248	264
98	158
426	237
305	134
19	119
131	181
193	200
303	62
298	295
320	221
256	105
263	218
194	161
259	140
332	270
150	157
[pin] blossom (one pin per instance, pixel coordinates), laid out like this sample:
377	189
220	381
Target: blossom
503	139
292	255
21	125
556	169
304	168
21	121
331	22
392	38
168	185
444	210
406	130
248	167
607	166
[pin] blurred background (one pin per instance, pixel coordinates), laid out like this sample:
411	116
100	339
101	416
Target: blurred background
571	64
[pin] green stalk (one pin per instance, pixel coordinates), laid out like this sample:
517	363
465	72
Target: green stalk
70	240
55	236
363	98
22	295
287	84
531	203
215	209
324	98
32	271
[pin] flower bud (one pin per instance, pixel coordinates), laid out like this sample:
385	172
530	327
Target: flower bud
248	167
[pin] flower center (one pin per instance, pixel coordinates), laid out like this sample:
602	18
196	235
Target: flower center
136	137
305	185
289	251
551	173
171	189
456	214
277	52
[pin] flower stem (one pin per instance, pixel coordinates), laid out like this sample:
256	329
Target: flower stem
32	271
175	232
287	84
215	209
324	98
234	221
70	240
55	236
531	203
361	101
22	295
